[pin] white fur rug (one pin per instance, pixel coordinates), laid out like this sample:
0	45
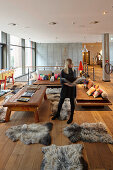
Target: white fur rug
4	109
32	133
54	100
67	157
88	132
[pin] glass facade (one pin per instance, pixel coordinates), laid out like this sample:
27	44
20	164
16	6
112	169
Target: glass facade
16	59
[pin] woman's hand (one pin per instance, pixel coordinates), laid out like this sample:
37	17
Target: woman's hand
68	84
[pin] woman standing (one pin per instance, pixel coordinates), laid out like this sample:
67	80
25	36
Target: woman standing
68	76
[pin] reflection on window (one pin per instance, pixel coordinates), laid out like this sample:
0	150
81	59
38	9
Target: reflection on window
15	40
0	37
28	43
28	59
16	59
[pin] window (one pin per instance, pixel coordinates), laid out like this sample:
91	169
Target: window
15	40
28	59
0	37
16	59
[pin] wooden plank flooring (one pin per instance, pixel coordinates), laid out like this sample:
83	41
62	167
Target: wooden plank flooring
17	156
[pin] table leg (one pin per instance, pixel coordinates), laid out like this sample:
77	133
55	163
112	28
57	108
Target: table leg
8	113
36	116
45	97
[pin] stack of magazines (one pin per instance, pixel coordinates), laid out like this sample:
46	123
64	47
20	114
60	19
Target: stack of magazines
25	97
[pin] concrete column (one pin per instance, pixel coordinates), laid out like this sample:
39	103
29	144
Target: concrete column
33	56
23	55
105	54
4	41
8	51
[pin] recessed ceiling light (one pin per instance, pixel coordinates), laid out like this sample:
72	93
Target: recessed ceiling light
12	24
73	23
105	12
94	22
52	23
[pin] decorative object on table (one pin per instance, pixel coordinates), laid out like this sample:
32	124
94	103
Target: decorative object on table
52	77
68	157
27	94
88	132
80	68
86	84
90	83
32	133
23	99
53	90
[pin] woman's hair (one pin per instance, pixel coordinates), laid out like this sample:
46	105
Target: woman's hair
66	68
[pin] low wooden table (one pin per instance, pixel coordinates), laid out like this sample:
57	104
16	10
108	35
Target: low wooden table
32	105
48	83
83	99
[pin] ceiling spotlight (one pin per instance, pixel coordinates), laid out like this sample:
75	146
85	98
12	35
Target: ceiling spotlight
73	23
52	23
105	12
12	24
94	22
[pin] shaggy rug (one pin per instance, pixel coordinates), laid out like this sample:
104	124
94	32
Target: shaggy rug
88	132
54	97
4	109
33	133
68	157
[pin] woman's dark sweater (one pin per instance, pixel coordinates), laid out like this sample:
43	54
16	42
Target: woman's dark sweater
66	91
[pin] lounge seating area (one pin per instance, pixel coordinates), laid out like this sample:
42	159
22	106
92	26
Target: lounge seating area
56	84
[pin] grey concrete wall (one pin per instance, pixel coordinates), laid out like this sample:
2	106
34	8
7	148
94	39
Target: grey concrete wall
55	54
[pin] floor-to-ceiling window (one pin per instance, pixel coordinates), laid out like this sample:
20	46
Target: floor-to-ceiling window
16	55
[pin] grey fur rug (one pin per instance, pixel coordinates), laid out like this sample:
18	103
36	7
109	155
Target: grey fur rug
32	133
68	157
88	132
54	100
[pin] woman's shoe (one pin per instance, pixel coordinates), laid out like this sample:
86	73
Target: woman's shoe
55	116
70	120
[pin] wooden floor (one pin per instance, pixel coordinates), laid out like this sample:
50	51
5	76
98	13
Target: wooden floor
18	156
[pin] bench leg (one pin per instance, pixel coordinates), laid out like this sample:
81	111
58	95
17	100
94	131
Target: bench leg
36	116
45	97
8	113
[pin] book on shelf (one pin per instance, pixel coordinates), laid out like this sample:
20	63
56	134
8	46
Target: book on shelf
23	99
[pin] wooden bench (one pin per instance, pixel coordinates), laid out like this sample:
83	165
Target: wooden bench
82	99
32	105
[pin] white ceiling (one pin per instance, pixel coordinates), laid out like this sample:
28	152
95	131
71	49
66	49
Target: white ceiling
32	18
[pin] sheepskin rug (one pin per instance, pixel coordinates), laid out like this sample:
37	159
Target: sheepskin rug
68	157
32	133
4	109
54	96
88	132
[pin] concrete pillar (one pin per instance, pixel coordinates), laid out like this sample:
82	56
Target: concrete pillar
4	41
23	55
105	54
33	56
8	51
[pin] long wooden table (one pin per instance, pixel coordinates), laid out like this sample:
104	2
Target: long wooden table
48	83
32	105
83	99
